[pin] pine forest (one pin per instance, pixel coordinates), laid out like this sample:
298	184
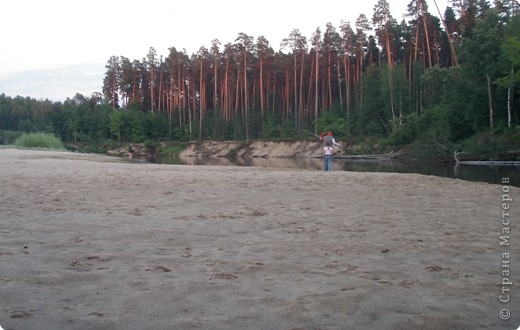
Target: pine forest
437	78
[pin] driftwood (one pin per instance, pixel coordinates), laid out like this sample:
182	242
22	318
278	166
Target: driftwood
483	162
366	157
378	157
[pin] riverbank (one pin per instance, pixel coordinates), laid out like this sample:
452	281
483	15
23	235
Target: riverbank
89	241
299	149
251	149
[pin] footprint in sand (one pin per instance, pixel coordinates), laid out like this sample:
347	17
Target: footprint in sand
431	268
20	314
97	314
159	269
98	258
226	276
187	253
77	239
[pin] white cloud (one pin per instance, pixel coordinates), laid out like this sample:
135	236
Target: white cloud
54	84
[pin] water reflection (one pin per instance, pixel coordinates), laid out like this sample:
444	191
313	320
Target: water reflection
307	163
491	174
481	173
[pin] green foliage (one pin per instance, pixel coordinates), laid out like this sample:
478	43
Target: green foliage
370	145
116	124
479	59
8	137
97	147
512	136
39	140
428	148
171	150
26	126
94	121
511	70
489	145
333	121
287	131
151	146
483	143
270	128
372	119
134	125
511	50
424	137
275	129
404	131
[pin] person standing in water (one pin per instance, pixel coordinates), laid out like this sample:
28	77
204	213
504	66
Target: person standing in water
327	158
131	151
328	149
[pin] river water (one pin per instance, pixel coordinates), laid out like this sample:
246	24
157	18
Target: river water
491	174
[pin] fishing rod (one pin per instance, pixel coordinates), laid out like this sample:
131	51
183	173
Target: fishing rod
319	137
310	133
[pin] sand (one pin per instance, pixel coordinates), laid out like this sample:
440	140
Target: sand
98	242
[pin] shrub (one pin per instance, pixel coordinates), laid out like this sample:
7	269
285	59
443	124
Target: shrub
151	146
404	133
39	140
8	137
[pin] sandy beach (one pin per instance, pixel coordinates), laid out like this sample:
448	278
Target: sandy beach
98	242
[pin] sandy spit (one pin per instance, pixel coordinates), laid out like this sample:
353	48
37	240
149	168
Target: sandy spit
95	242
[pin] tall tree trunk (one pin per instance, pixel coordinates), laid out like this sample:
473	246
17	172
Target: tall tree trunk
152	99
114	93
295	94
359	78
426	34
316	95
454	60
274	91
159	101
389	56
338	71
346	70
309	92
329	78
416	47
490	102
226	95
245	94
201	99
435	42
301	98
181	85
152	90
189	108
510	97
348	74
390	86
261	87
215	81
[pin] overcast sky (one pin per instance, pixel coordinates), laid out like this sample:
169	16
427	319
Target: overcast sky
55	48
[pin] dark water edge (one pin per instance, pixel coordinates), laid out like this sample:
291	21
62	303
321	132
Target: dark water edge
493	174
481	173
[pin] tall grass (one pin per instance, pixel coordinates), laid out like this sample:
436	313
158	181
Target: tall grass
39	140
